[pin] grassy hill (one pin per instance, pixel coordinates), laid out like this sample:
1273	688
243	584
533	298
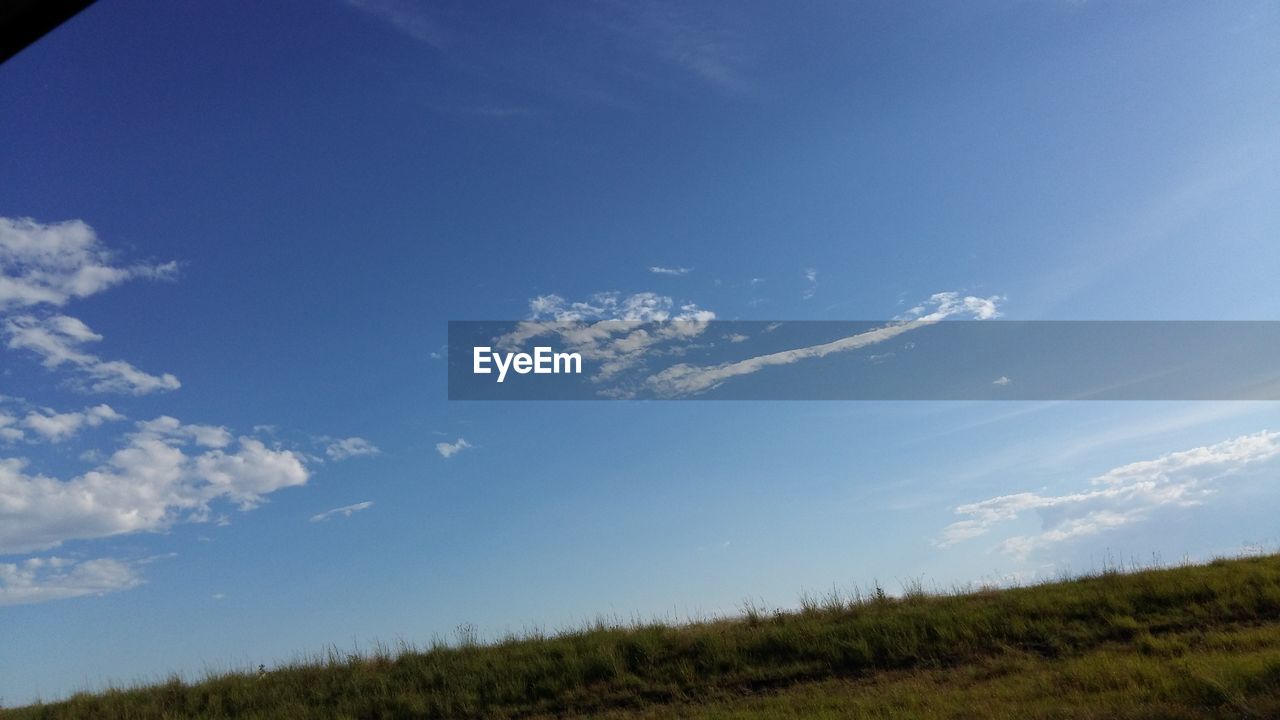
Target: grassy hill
1189	642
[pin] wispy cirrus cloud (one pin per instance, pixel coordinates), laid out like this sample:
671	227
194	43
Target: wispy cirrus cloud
811	284
707	47
411	18
663	270
1121	496
684	379
344	511
665	47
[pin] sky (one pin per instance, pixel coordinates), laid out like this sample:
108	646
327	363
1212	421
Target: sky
232	237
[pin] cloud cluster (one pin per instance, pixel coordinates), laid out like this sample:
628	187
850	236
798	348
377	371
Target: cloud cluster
643	307
53	578
614	330
48	265
619	333
1121	496
166	472
162	472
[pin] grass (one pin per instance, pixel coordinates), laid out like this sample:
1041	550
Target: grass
1189	642
1233	674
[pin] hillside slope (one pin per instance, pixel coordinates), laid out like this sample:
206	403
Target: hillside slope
1196	641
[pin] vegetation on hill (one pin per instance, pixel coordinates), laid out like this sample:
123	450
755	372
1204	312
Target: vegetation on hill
1195	641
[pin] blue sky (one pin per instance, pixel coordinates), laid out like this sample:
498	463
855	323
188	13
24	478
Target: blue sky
233	235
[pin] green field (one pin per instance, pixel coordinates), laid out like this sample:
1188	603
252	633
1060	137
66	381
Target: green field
1189	642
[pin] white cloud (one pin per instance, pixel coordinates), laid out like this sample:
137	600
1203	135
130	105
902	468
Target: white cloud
448	450
345	511
810	277
45	266
684	379
1002	380
50	264
350	447
660	270
9	432
213	436
55	427
945	304
736	338
613	329
57	339
1123	495
154	481
639	307
52	578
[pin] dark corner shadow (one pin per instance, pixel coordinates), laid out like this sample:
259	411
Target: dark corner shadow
23	22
